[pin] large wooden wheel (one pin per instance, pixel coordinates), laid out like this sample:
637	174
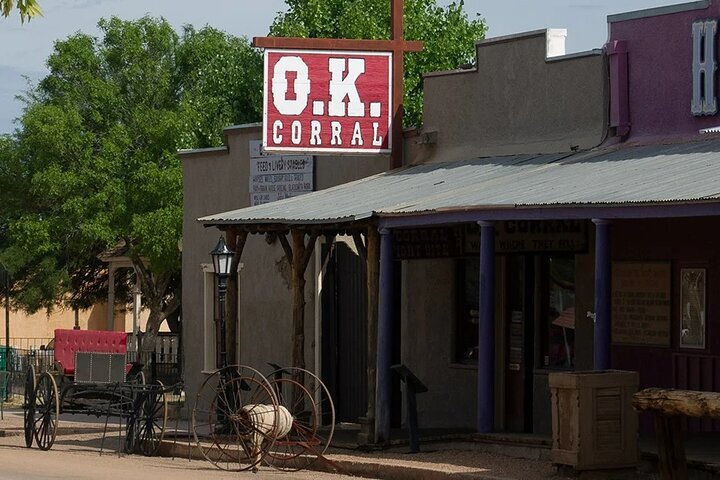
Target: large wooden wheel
152	414
234	418
313	412
29	405
47	411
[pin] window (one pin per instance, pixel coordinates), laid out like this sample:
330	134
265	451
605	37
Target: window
466	325
559	311
692	305
209	308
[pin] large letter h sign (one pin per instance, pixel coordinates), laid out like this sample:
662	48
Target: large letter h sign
703	68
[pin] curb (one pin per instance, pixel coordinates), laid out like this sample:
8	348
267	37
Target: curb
356	468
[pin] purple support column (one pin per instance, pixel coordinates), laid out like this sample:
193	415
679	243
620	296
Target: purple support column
384	347
602	294
486	330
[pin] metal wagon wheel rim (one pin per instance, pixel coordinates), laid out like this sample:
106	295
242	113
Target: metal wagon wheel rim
47	411
225	418
127	403
153	419
308	439
29	406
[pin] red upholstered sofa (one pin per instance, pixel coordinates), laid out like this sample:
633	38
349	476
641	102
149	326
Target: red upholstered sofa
67	342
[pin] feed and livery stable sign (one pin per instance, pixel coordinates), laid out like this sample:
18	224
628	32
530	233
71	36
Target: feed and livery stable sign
275	177
327	102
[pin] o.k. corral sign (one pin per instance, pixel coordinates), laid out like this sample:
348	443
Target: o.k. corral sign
327	101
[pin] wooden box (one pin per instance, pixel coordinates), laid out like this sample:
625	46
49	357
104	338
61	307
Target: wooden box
594	423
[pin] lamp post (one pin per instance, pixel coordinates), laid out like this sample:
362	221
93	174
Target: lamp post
222	259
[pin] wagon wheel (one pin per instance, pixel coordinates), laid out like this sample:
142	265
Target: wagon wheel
131	406
152	420
29	405
310	404
234	418
47	410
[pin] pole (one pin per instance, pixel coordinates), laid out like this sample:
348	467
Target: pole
486	330
7	319
384	336
603	273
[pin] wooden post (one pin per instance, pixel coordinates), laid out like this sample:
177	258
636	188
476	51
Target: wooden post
671	448
667	406
299	259
373	283
235	240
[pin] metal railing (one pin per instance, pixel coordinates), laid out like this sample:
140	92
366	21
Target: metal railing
163	366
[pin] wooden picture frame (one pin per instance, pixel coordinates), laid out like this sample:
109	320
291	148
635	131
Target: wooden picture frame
693	307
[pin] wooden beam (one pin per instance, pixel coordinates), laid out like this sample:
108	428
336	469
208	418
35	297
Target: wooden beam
337	44
286	247
309	249
678	402
360	245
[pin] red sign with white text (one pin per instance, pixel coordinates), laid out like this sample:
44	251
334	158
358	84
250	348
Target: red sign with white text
327	102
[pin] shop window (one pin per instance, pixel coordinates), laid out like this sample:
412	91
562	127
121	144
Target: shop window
466	325
558	312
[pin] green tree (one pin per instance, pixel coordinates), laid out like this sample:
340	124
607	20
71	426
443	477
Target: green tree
97	148
448	34
27	8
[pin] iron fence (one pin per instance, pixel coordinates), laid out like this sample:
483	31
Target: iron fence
162	367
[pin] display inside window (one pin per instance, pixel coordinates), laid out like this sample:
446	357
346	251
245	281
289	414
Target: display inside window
692	304
560	316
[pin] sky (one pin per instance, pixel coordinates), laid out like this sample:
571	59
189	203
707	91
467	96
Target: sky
24	48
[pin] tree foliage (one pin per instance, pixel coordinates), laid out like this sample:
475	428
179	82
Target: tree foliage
448	33
96	157
27	8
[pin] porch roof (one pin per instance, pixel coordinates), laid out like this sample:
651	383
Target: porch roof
576	184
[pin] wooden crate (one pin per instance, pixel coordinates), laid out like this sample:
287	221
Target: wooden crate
594	423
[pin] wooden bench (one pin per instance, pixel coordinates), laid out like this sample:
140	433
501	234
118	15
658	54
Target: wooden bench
667	407
69	342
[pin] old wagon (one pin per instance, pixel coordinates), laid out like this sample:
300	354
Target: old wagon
91	375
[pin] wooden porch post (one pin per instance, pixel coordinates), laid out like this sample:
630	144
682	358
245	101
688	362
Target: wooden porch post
299	257
373	283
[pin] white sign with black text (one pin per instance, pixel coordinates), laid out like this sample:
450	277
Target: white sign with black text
274	177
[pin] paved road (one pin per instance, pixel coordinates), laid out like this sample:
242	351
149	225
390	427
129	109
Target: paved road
76	455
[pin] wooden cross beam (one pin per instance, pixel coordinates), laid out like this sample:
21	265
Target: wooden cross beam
397	45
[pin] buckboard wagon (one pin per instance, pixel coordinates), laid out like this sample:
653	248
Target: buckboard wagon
91	375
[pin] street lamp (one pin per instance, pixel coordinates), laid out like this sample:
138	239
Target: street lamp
222	258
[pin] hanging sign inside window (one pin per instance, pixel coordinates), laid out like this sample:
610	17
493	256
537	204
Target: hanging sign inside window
327	102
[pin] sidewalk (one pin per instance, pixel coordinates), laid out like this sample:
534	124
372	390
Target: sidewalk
443	456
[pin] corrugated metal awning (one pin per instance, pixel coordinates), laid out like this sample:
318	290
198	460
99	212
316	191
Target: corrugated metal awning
675	173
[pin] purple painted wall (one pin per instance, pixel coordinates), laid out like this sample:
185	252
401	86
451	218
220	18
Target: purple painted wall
688	242
659	49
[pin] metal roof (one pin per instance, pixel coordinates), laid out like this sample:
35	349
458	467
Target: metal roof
683	172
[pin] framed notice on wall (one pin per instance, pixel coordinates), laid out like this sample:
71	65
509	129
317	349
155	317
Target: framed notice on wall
641	303
692	307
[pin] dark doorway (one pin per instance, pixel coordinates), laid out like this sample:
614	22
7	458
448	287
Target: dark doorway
519	364
344	331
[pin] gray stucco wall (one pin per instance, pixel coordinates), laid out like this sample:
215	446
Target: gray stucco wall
428	319
216	180
516	102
